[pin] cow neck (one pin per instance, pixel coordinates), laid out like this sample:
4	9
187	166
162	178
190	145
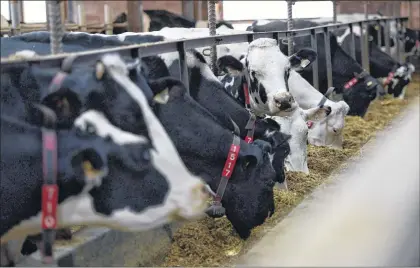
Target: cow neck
216	210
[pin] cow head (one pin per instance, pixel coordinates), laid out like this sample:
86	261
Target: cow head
399	79
267	70
327	124
204	145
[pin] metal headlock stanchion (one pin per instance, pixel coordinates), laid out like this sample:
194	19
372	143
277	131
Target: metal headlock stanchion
334	11
211	9
290	26
56	26
14	8
365	40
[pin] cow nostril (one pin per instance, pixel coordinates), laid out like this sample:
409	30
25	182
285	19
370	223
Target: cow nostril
335	130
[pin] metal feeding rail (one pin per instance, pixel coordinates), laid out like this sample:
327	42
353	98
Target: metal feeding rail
180	46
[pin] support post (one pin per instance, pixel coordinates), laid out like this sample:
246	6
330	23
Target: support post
290	26
14	16
315	74
56	26
334	2
70	11
211	9
81	17
135	16
107	20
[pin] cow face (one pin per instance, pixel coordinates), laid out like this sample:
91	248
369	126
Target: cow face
266	70
326	126
399	81
204	145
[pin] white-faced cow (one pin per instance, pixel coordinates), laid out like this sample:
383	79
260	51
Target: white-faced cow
349	79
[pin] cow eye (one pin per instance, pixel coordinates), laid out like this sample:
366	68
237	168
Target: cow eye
253	73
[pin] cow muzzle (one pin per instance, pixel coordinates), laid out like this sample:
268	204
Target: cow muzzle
283	101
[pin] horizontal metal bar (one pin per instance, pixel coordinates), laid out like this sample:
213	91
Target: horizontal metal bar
171	46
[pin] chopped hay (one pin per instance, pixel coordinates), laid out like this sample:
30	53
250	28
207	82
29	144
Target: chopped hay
210	242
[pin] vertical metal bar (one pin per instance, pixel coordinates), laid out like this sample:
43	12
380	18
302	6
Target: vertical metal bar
211	9
141	24
387	36
363	36
334	2
365	6
403	30
290	26
379	33
107	20
14	16
81	16
56	26
315	74
188	9
328	56
199	10
397	56
70	11
183	65
353	43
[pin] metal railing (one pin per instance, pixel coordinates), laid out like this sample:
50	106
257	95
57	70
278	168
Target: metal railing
180	46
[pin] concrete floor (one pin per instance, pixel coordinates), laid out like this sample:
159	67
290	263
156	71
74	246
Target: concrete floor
369	215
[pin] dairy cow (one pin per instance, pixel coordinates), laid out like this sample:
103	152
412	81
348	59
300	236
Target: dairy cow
396	76
252	160
155	20
349	79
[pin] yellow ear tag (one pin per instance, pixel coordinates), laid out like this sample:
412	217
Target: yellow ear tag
99	70
162	97
304	63
369	83
376	27
90	172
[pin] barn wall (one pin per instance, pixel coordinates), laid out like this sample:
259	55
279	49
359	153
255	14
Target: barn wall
388	8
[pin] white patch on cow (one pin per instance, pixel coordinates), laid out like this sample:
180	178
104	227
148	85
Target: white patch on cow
104	128
169	58
262	22
185	188
322	131
294	124
24	54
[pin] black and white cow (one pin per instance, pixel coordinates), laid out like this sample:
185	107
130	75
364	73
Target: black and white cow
155	20
396	76
242	221
345	70
182	195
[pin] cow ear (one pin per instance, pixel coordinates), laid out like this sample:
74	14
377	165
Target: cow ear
161	87
64	102
345	106
302	59
230	65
